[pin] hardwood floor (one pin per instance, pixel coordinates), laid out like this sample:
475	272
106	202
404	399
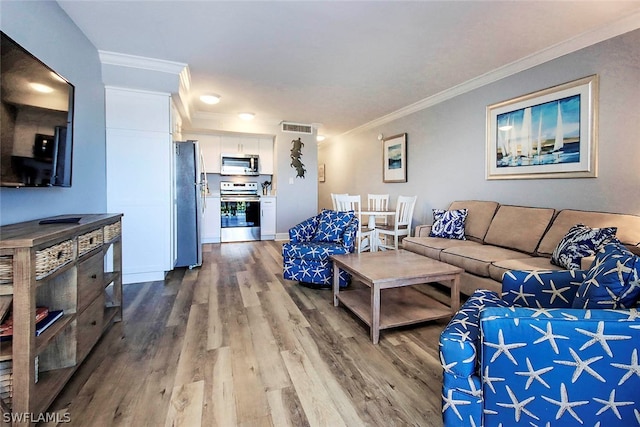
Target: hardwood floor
233	344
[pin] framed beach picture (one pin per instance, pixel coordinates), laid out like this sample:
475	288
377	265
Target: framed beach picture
321	172
394	158
547	134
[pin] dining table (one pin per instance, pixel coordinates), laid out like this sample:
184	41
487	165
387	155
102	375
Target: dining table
371	224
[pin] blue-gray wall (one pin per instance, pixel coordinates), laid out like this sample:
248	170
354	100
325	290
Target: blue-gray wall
446	143
46	31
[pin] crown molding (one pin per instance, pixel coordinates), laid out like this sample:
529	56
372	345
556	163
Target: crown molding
181	98
141	62
129	89
619	27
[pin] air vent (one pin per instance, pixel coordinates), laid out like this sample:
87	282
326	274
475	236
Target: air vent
297	128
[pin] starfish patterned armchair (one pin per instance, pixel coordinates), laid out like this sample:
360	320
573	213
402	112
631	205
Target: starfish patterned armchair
557	348
313	241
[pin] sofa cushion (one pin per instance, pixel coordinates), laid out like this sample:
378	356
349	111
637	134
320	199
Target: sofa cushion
476	259
613	280
479	216
580	241
332	225
448	224
628	227
519	228
531	263
432	246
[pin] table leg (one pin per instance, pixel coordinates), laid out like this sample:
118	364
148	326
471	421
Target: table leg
373	237
372	222
336	283
455	294
375	313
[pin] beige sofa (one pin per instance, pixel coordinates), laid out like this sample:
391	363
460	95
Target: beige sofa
505	237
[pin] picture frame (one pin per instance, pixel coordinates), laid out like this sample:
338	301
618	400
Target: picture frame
551	133
321	173
394	158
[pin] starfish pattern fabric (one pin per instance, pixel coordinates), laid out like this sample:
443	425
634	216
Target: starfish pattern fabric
530	359
613	281
306	255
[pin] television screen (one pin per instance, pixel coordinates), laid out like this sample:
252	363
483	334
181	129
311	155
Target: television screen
36	132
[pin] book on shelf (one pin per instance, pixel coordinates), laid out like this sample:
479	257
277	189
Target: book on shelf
51	318
44	319
6	328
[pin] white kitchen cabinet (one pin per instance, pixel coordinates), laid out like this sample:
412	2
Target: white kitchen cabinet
250	145
210	148
267	218
211	221
266	155
213	146
239	144
140	179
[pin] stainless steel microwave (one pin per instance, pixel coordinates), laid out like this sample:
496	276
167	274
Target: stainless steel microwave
239	164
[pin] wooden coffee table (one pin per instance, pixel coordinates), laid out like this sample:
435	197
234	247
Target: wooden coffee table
390	301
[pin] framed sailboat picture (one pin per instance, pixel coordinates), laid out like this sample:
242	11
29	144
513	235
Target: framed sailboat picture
394	158
547	134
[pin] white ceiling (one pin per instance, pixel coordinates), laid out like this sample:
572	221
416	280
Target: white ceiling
341	64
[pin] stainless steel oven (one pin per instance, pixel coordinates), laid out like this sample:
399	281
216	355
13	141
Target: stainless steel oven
239	211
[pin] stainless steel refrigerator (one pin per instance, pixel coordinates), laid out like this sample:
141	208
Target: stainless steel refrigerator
190	189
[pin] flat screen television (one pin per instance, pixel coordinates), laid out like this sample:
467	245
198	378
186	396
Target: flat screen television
36	121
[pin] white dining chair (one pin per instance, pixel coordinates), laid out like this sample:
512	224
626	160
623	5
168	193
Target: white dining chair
378	202
401	226
345	203
333	199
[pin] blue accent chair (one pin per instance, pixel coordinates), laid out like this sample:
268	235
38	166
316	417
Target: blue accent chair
313	241
527	357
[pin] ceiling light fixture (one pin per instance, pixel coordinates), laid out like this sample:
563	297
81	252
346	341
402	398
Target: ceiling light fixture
320	138
210	98
246	116
41	88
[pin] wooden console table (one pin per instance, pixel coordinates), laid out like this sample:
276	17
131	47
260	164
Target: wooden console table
394	272
62	267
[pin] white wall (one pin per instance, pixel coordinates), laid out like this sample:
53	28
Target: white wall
446	143
297	197
46	31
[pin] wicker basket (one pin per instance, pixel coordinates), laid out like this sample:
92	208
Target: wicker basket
52	258
6	269
89	241
112	231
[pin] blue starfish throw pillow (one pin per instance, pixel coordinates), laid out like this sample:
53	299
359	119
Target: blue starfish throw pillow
580	241
448	224
612	281
332	225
